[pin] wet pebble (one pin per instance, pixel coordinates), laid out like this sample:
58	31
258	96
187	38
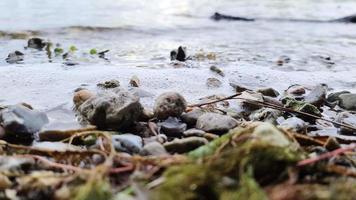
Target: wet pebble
348	101
296	90
15	57
185	145
36	43
348	119
114	110
216	123
317	96
153	149
135	81
268	92
21	123
295	124
213	83
169	104
172	127
193	132
192	116
109	84
128	143
180	54
81	96
217	70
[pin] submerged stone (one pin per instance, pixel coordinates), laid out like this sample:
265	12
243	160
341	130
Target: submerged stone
179	54
36	43
213	83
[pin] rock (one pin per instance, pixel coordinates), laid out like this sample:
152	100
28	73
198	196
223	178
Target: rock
332	144
270	92
348	119
335	97
179	54
61	130
295	90
238	88
172	127
191	117
265	115
169	104
185	145
140	92
210	137
217	70
294	124
153	149
193	132
317	96
213	83
114	110
348	101
282	60
109	84
36	43
21	123
2	132
15	57
81	96
216	123
128	143
146	115
161	138
135	81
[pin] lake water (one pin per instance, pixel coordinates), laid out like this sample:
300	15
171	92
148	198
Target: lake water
140	35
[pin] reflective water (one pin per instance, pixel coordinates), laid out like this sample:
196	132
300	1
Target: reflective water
141	33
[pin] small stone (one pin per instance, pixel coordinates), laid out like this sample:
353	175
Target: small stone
268	92
161	138
58	131
185	145
109	84
111	109
265	115
179	54
153	149
332	144
172	127
191	117
135	81
282	60
348	119
21	123
193	132
348	101
81	96
213	83
295	90
217	70
146	115
128	143
169	104
216	123
36	43
335	97
15	57
294	124
317	96
238	88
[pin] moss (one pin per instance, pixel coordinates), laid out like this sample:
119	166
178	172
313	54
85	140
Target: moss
300	106
94	189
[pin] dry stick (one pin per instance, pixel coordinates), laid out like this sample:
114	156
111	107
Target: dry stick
215	101
326	155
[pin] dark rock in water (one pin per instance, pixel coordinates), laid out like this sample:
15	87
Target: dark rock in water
348	101
268	92
172	127
317	96
348	119
114	110
135	81
15	57
217	70
335	97
21	123
216	123
109	84
153	149
213	83
295	124
169	104
295	90
128	143
179	54
238	88
265	115
283	60
191	117
36	43
185	145
332	144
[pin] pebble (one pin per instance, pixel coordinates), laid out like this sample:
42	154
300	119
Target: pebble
135	81
153	149
268	92
348	101
213	83
172	127
15	57
193	132
192	116
265	115
216	123
128	143
317	96
296	90
180	54
217	70
348	119
36	43
185	145
109	84
81	96
294	124
169	104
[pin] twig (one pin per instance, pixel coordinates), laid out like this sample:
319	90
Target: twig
326	155
215	101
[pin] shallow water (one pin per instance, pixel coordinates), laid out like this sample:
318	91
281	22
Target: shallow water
140	35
